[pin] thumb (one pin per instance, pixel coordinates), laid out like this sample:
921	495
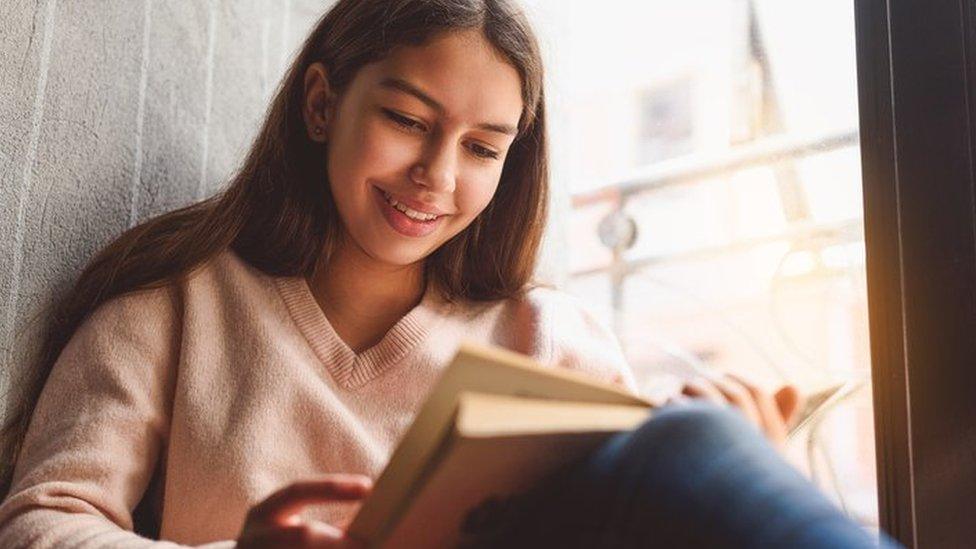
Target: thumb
279	507
788	401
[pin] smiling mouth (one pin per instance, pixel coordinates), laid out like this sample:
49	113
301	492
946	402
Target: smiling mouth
409	212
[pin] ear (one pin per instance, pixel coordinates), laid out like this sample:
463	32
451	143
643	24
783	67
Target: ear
319	102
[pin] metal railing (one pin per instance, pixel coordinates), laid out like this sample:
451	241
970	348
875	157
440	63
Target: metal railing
618	232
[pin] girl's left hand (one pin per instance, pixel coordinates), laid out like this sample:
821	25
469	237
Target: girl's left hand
772	413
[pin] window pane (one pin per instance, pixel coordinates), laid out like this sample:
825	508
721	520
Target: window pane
725	131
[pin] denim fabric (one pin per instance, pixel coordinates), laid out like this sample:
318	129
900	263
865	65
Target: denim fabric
694	475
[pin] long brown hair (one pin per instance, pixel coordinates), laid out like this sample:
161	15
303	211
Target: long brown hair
278	214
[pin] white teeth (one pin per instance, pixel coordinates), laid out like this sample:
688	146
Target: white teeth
412	214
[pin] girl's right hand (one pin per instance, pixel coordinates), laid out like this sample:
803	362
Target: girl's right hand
275	522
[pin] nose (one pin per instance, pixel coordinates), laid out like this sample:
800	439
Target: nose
437	169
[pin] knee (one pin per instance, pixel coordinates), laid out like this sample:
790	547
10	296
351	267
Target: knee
696	414
678	439
695	425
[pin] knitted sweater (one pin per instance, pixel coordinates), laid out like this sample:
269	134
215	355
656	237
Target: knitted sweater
207	395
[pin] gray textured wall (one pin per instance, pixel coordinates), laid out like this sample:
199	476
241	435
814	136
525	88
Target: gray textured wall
112	111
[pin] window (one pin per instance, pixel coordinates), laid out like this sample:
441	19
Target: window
666	125
711	154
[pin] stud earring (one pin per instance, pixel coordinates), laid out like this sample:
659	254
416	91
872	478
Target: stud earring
318	130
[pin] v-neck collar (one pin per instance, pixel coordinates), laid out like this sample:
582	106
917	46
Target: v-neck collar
349	369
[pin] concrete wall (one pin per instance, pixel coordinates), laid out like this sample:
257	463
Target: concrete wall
112	111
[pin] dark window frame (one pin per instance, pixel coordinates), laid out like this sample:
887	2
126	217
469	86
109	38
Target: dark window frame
916	96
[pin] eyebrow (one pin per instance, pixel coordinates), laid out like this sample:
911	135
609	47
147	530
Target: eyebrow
406	87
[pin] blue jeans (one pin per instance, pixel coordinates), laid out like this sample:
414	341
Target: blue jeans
694	475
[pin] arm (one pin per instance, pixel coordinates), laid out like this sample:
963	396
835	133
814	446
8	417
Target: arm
98	430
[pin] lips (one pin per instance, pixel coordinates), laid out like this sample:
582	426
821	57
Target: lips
410	210
401	222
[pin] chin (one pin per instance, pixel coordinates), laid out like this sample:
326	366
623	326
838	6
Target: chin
399	257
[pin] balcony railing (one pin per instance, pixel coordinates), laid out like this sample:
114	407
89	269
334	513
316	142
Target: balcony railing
619	233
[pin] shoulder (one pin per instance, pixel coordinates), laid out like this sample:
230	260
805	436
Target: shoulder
145	309
227	285
572	335
226	268
148	326
123	341
158	308
567	314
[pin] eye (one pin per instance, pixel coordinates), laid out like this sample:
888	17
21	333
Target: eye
482	152
404	121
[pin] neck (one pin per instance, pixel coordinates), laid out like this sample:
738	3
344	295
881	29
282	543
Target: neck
364	298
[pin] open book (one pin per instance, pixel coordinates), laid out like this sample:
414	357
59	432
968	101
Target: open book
494	424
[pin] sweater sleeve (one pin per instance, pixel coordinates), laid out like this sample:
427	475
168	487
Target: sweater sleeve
581	342
97	430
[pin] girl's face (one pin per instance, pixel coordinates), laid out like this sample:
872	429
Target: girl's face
416	143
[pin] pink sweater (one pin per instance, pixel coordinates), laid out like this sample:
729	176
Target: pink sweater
214	393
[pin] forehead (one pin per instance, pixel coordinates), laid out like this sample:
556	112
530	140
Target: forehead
460	70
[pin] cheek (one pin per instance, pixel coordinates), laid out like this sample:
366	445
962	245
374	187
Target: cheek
386	151
366	151
474	195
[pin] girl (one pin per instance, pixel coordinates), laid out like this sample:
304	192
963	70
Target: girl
236	371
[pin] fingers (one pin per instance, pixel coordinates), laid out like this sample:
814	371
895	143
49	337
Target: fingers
722	390
770	418
703	389
281	506
741	398
771	414
275	522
